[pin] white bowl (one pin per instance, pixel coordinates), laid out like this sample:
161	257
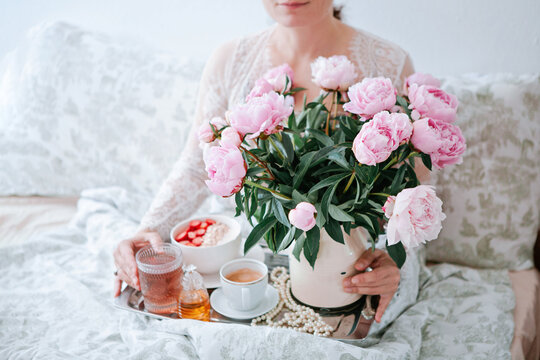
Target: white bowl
209	259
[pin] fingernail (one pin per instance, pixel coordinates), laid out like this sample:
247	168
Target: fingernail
355	281
360	266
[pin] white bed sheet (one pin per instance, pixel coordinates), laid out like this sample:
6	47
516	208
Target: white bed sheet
23	216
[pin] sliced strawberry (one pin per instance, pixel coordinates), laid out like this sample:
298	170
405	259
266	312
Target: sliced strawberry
191	235
201	232
185	243
181	236
194	224
210	221
204	225
198	241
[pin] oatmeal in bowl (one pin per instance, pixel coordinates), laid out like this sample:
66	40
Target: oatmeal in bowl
208	241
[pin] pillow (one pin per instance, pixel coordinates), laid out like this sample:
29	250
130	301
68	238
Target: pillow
492	199
80	109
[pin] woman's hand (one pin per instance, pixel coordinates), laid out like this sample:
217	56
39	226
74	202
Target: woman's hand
124	258
383	280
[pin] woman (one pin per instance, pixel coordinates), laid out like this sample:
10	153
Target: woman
305	29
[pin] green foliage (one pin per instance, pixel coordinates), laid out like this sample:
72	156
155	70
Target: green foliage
311	162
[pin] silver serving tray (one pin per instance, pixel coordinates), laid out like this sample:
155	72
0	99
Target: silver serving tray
348	322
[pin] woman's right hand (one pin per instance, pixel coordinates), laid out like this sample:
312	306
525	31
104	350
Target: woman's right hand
124	259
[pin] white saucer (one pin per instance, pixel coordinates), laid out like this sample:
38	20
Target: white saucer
212	281
221	305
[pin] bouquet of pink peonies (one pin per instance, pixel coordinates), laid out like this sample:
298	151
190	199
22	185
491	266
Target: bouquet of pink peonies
334	167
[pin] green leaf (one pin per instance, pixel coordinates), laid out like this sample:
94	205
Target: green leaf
301	120
365	221
298	245
254	171
345	125
287	240
247	194
321	137
254	201
303	167
397	253
347	228
327	200
403	155
367	174
376	206
413	180
327	182
411	161
402	102
239	205
339	159
279	213
311	245
298	197
312	115
334	230
287	81
258	231
339	214
320	220
288	147
398	179
426	159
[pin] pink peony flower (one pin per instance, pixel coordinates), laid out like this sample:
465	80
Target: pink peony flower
388	206
441	140
420	79
416	218
263	114
379	137
230	138
303	216
430	101
226	170
333	73
371	96
205	133
261	87
277	77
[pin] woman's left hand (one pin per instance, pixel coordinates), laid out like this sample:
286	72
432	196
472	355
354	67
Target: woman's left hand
383	280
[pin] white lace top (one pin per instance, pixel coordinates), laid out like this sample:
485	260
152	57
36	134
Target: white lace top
227	78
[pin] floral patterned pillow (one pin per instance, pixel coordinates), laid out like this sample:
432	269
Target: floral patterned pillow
492	199
79	109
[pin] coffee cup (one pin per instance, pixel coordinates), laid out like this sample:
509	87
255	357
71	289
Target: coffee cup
244	282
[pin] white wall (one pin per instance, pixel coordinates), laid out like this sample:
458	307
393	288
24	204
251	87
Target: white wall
447	37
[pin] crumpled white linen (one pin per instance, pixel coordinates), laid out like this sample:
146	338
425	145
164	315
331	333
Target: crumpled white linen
56	301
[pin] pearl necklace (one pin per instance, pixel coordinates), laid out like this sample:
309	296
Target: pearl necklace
300	318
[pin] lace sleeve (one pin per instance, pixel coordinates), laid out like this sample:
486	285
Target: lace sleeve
184	189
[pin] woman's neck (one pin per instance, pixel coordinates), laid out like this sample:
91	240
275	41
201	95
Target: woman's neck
308	42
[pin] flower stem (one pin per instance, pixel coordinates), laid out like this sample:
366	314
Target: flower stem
380	194
336	106
326	130
277	193
259	161
349	183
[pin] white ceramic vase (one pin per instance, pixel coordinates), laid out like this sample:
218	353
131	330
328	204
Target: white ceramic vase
321	286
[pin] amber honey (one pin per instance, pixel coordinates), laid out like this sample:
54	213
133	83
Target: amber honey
195	305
